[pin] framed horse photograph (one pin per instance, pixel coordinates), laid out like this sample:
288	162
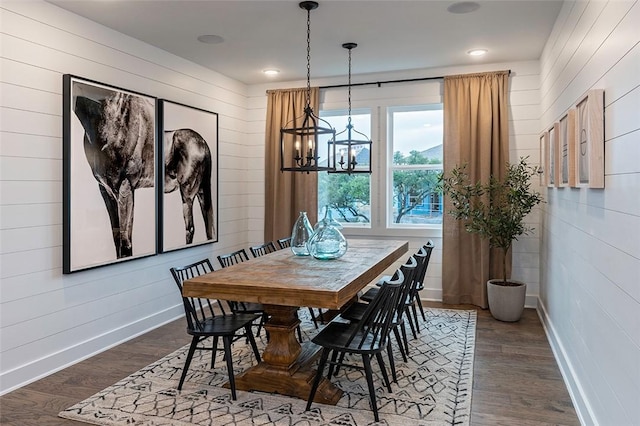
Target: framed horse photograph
188	176
109	174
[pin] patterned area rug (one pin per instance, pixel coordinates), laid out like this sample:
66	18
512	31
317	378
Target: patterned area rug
434	387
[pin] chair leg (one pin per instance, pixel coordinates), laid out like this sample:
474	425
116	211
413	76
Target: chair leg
332	364
213	352
413	329
263	319
372	390
192	349
299	330
316	381
404	338
424	318
313	318
392	364
415	317
342	354
227	352
383	370
396	333
252	341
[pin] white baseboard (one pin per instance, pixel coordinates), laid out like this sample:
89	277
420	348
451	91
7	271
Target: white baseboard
432	294
531	301
576	392
435	295
51	363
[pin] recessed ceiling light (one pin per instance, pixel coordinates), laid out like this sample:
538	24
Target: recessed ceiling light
271	71
210	39
463	7
477	52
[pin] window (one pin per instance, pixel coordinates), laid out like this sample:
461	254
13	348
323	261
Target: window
415	152
348	196
401	194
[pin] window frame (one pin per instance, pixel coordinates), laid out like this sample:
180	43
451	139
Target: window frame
380	182
344	112
390	110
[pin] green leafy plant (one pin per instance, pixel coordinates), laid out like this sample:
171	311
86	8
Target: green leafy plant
494	210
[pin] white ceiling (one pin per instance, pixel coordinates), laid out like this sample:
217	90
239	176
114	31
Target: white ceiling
391	35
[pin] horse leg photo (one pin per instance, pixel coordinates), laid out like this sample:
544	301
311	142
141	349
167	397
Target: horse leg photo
111	204
187	212
206	204
125	211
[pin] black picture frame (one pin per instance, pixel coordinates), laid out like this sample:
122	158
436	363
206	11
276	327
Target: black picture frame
188	176
109	174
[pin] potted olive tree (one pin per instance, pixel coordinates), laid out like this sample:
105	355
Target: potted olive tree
495	210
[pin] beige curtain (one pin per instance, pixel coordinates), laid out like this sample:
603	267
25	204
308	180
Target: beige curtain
476	133
286	193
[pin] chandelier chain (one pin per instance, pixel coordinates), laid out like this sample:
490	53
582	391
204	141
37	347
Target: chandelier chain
349	98
308	57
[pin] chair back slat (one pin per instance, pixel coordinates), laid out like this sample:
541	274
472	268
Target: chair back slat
196	309
233	258
283	243
262	249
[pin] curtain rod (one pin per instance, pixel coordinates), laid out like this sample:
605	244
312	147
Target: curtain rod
380	83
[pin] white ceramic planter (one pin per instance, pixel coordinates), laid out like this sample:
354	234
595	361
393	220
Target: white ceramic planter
506	303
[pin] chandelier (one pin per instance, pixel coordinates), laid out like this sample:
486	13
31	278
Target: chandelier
351	151
300	138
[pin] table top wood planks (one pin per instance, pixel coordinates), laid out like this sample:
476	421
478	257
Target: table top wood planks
283	282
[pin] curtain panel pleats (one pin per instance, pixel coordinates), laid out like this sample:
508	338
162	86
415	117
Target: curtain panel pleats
476	133
286	193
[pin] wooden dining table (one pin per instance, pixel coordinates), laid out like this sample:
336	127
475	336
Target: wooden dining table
282	282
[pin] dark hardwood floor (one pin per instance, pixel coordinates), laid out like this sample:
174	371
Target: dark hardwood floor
516	380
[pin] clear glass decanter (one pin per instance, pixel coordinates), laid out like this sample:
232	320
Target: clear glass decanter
327	241
300	235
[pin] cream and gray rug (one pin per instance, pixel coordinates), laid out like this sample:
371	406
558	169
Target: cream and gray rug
434	387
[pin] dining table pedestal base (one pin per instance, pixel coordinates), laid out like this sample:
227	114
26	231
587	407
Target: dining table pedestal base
286	366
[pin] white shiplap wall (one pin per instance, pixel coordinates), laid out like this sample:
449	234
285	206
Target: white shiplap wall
49	320
590	253
524	123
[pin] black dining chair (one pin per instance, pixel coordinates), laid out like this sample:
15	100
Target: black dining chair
283	243
367	338
429	248
356	311
415	294
262	249
209	318
234	258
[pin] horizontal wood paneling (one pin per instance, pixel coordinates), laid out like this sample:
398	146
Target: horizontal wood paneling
48	319
590	248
